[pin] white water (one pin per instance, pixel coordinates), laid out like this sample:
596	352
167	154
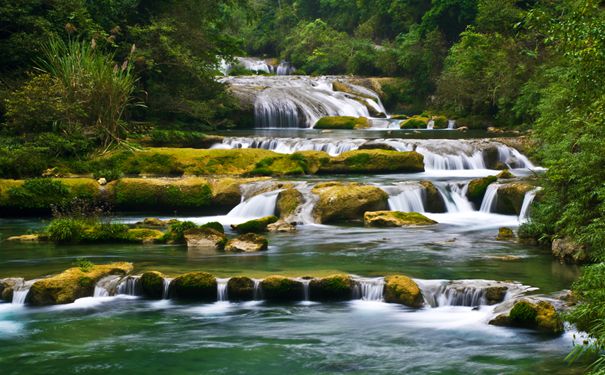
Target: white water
166	290
257	294
221	289
257	66
410	199
106	286
490	198
527	201
21	291
260	205
454	196
305	283
369	289
129	286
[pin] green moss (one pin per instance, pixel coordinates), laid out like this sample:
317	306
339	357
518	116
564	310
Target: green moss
144	235
214	225
204	237
331	288
158	194
395	219
176	231
403	290
195	285
287	202
255	225
279	288
342	122
339	201
248	242
65	230
414	122
152	284
240	289
524	314
478	187
375	161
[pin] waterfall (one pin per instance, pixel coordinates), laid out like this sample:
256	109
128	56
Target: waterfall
430	125
21	291
166	291
490	198
513	158
291	145
106	286
258	293
305	282
451	124
129	286
527	201
221	289
470	293
454	196
410	199
369	289
260	205
285	69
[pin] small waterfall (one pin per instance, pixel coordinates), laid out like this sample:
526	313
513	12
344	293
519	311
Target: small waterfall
470	293
430	125
490	198
513	158
107	286
411	199
260	205
305	282
166	291
21	291
454	196
129	286
221	289
285	69
451	124
369	289
258	293
527	201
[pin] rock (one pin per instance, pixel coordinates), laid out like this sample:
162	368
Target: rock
247	243
414	122
240	289
373	161
331	288
349	89
7	286
214	225
282	226
478	187
533	314
505	174
569	251
195	286
205	237
152	284
495	294
376	145
492	129
384	219
102	181
255	225
144	235
280	288
338	201
505	234
162	193
226	192
399	117
153	222
342	122
73	283
403	290
511	196
434	200
25	238
288	201
462	129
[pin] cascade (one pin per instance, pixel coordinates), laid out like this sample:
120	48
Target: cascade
409	199
473	293
285	69
258	293
106	286
369	289
451	124
304	212
305	282
490	198
20	292
129	286
527	201
258	206
166	291
513	158
454	196
221	289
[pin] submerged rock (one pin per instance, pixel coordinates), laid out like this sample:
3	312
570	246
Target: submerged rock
403	290
240	289
338	201
478	187
434	199
568	251
195	286
205	237
73	283
505	234
152	284
395	219
342	122
332	288
533	314
280	288
247	243
255	225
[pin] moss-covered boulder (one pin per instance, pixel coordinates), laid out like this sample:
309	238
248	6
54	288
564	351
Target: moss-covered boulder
240	289
377	145
152	284
567	250
331	288
434	201
342	122
403	290
255	225
478	187
440	121
73	283
194	286
505	175
282	226
495	294
414	122
280	288
374	161
7	286
533	314
205	237
226	192
288	201
511	196
162	194
144	235
152	222
338	201
385	219
247	243
505	234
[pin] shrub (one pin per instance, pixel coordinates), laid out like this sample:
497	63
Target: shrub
38	194
176	231
84	265
65	230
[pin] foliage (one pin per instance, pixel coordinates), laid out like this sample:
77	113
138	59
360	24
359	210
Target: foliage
65	230
38	194
84	265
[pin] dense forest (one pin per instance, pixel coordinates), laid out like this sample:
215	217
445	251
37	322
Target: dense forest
80	79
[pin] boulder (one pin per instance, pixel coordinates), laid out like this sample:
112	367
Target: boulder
144	235
205	237
338	201
568	251
282	226
153	222
505	175
226	192
331	288
386	219
414	122
255	225
376	145
195	286
434	200
73	283
478	187
280	288
24	238
511	196
374	161
240	289
247	243
403	290
7	286
287	202
152	284
342	122
495	294
505	234
533	314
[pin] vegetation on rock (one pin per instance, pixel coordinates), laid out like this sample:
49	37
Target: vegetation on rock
395	219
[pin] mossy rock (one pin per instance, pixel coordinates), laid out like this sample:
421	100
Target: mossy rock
152	284
505	234
152	222
505	175
7	287
25	238
72	284
440	121
162	194
511	196
280	288
331	288
478	187
205	237
385	219
495	294
145	235
214	225
200	286
255	225
348	89
288	201
403	290
538	315
339	201
414	122
226	192
240	288
247	243
342	122
434	201
399	117
375	161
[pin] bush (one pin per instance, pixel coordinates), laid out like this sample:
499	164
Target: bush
84	265
65	230
38	194
176	231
